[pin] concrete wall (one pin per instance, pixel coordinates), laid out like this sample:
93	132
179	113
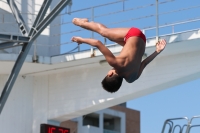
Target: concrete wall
27	105
81	88
40	102
17	115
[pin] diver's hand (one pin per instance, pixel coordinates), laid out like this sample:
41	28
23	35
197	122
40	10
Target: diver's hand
160	45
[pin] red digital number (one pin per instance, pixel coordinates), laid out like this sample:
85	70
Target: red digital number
66	131
51	129
63	131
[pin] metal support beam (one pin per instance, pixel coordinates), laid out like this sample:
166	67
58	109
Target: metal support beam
38	19
44	23
40	15
5	45
22	56
14	38
22	26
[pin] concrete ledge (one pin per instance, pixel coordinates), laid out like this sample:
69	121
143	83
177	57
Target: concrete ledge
29	58
178	43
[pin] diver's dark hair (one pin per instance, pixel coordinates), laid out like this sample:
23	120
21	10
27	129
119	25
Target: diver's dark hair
112	84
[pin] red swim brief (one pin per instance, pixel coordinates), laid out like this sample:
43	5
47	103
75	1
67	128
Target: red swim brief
135	32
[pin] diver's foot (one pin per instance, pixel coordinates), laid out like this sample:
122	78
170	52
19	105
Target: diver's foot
77	39
79	21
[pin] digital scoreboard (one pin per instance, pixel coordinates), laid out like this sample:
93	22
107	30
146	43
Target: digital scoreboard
45	128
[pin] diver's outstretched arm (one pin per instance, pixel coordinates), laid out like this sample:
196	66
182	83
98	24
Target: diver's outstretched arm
160	46
111	59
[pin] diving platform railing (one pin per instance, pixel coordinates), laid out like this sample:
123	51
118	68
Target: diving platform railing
171	26
185	127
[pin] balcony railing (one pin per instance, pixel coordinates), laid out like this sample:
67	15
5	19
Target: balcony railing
109	131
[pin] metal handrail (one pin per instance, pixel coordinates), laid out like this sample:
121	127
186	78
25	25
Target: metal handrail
188	125
183	128
176	127
193	127
194	117
170	127
190	122
109	45
157	28
143	29
172	119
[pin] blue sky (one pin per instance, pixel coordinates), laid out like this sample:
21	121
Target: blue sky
179	101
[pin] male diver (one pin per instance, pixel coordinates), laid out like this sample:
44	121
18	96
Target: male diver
128	64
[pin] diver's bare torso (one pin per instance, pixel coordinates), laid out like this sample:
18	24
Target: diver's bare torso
129	60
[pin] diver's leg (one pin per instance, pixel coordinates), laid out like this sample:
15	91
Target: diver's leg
113	34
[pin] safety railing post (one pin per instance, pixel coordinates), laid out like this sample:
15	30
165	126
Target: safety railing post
172	28
79	48
189	126
157	22
143	31
123	5
35	59
92	36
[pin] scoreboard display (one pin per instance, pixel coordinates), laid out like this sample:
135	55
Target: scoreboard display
45	128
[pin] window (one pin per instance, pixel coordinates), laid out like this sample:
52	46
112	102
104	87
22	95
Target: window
112	123
91	119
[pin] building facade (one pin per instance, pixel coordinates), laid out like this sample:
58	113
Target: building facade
117	119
